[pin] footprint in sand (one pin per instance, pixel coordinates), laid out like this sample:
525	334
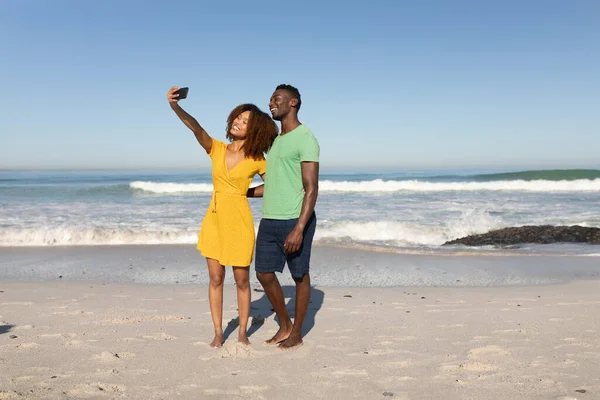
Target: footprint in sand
11	394
337	331
75	343
350	372
105	373
234	349
510	331
107	357
488	352
23	327
375	352
253	389
141	318
95	389
51	335
160	336
470	366
30	345
129	339
398	364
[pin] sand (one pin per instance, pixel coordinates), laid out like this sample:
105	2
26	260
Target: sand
71	340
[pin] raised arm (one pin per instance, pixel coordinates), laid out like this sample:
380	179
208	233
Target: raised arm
189	121
310	180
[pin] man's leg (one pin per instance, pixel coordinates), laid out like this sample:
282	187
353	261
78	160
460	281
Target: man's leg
294	340
270	283
270	258
299	264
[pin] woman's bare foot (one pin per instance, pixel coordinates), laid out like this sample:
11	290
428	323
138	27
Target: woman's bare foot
291	343
217	341
243	339
282	334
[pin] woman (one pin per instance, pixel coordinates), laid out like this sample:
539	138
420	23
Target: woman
227	232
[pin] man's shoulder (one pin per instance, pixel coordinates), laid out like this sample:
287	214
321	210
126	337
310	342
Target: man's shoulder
305	133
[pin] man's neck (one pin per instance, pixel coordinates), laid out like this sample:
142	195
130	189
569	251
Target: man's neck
289	123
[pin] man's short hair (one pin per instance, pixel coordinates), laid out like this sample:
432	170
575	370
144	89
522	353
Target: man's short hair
291	90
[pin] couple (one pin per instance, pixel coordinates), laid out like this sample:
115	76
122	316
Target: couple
289	193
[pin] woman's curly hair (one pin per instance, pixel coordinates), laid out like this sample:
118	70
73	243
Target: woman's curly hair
260	134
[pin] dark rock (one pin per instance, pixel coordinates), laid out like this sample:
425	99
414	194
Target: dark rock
347	295
539	234
580	391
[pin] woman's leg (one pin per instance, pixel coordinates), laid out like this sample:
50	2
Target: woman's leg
216	273
242	282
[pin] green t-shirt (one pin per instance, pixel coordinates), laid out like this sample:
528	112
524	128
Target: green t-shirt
284	191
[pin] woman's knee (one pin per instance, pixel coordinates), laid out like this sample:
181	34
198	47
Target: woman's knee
242	283
216	280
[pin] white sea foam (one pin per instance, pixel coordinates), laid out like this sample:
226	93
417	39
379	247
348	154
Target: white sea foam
91	237
171	188
388	233
379	185
408	234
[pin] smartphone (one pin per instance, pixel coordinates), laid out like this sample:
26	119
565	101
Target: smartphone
182	92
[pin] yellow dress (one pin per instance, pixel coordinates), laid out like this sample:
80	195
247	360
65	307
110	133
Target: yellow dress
227	231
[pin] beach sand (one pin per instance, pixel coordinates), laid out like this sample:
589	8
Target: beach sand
70	340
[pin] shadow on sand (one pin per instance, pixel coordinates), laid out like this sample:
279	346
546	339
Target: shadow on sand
5	328
260	310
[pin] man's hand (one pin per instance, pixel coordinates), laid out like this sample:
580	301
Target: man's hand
293	241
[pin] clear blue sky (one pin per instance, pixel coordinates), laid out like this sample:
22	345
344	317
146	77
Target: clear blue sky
399	83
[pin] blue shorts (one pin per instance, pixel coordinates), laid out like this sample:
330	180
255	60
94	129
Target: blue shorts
270	256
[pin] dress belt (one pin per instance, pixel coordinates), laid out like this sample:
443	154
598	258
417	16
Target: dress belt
214	197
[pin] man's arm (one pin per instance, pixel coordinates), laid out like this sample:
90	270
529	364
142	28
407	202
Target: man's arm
257	191
189	121
310	180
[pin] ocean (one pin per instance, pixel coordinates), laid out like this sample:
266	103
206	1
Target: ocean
394	211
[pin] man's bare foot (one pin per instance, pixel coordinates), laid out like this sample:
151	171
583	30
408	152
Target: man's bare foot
243	339
217	341
291	343
282	334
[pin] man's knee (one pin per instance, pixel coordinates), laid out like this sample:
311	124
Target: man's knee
265	277
302	279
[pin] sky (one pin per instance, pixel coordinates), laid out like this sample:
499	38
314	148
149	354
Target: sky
384	84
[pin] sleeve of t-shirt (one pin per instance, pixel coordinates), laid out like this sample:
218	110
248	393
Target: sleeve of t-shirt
309	151
262	167
214	149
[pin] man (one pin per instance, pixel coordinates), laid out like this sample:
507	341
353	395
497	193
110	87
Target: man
286	231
